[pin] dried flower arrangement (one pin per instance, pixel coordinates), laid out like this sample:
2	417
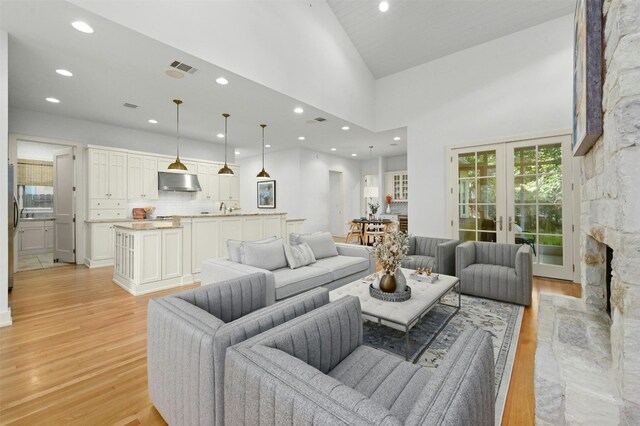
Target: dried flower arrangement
390	250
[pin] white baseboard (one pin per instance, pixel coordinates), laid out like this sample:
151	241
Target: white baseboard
5	318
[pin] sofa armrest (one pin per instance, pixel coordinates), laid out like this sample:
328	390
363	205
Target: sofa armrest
446	257
461	391
524	271
183	333
357	251
218	270
465	256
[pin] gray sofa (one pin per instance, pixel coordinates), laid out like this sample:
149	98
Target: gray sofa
436	253
315	370
495	271
352	262
189	332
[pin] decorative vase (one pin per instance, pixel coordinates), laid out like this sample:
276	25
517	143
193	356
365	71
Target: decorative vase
388	208
376	282
388	283
401	281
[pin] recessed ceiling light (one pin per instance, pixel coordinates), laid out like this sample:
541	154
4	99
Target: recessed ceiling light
237	152
267	146
53	100
83	27
174	74
220	135
65	73
397	138
222	81
301	138
333	149
345	127
152	121
354	155
383	6
298	110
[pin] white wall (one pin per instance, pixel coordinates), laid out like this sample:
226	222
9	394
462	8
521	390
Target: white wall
296	48
37	151
34	123
302	184
395	164
515	85
5	312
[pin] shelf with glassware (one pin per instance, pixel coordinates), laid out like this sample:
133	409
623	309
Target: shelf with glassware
397	184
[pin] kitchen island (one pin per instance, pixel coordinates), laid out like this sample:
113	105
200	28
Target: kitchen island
145	252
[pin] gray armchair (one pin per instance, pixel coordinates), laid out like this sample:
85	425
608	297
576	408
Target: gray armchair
188	335
315	370
436	253
495	271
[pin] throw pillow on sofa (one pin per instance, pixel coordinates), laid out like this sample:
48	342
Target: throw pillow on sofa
299	255
233	248
269	256
321	243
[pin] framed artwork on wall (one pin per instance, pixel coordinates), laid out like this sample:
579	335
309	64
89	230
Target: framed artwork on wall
587	75
267	194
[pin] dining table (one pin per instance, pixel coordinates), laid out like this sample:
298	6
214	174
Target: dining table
365	223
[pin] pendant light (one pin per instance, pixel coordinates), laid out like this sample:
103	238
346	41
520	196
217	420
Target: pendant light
225	170
371	191
177	165
263	173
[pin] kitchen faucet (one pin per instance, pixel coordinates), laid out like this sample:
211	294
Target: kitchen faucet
223	206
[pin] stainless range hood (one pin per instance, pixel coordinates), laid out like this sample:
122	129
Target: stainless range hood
171	181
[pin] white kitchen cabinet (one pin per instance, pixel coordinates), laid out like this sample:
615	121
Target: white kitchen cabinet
294	226
209	181
397	184
274	225
142	177
230	186
107	184
148	257
205	241
230	229
252	228
101	244
31	236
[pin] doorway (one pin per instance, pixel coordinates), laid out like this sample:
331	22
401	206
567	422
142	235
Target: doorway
336	204
513	192
45	186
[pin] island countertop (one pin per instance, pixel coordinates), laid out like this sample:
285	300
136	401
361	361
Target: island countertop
183	216
148	226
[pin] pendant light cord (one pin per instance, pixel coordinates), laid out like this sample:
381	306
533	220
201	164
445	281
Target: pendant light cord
178	129
263	126
225	138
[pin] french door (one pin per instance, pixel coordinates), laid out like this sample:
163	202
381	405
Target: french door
513	192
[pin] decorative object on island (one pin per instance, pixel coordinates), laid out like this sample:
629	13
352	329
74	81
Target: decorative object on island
389	199
263	174
138	213
226	170
389	252
267	194
587	75
177	165
150	212
373	207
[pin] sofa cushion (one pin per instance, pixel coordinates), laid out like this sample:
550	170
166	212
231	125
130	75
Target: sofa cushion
342	266
391	382
269	256
416	261
321	243
233	248
299	255
289	282
489	281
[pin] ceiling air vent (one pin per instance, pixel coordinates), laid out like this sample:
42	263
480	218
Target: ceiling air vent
128	105
320	119
183	67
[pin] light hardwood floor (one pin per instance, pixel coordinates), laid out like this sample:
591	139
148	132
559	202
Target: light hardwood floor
76	353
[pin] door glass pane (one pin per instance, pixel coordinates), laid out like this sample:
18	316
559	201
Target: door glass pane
467	165
467	216
487	190
467	191
486	163
487	217
490	237
538	201
467	235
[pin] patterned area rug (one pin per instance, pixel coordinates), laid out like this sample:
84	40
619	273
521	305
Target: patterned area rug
427	348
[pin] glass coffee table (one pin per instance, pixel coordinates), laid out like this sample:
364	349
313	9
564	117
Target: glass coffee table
401	315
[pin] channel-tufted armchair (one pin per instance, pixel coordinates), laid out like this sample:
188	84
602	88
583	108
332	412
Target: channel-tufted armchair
436	253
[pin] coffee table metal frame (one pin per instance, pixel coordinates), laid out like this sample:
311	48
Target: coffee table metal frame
420	315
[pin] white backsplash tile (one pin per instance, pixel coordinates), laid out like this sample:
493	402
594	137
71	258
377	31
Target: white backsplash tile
175	203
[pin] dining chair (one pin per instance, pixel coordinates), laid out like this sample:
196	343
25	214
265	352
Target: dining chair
372	231
354	231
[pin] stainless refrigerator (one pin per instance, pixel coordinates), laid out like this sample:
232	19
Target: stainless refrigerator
14	218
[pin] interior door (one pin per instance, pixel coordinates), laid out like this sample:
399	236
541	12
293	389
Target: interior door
64	238
538	180
479	194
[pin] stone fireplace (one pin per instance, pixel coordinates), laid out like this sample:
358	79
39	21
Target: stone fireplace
610	193
588	359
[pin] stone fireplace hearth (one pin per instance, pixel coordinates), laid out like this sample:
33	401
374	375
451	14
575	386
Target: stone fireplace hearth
572	332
